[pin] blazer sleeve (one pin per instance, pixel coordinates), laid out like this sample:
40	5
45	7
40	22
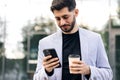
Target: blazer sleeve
40	73
102	70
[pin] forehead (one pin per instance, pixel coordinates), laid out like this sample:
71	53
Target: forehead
62	12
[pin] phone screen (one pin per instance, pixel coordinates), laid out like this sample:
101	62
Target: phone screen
51	52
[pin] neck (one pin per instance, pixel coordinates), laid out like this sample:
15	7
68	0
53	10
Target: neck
75	29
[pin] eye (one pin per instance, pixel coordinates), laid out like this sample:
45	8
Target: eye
65	17
57	18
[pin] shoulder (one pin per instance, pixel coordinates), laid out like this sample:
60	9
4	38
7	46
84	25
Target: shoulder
88	33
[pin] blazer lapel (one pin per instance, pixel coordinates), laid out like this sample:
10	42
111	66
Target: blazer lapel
58	44
58	47
84	45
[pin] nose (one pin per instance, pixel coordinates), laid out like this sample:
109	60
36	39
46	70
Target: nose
62	21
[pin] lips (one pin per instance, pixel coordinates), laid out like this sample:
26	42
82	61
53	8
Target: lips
65	26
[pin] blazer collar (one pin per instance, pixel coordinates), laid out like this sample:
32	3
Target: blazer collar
83	42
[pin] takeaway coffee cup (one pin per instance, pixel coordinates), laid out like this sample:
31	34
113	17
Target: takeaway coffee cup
73	57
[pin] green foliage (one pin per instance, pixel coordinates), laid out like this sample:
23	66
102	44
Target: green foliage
105	37
0	65
1	48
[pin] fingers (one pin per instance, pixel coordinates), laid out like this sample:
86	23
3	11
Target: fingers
79	67
47	58
50	63
77	70
78	62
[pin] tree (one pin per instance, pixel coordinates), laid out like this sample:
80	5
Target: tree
41	27
33	32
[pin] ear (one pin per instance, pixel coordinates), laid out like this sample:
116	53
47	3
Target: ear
76	12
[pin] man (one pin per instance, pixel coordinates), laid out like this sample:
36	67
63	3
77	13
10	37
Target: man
72	39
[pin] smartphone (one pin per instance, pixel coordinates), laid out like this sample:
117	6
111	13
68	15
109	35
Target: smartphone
51	52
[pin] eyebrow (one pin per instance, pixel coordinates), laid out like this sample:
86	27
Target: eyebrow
62	16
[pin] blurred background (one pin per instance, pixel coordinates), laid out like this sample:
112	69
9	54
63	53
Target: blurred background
24	22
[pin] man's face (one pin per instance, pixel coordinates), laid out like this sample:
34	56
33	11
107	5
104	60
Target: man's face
65	19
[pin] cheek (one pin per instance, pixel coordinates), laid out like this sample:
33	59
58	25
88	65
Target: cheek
71	20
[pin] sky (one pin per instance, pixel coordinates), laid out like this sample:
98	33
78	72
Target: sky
94	13
17	13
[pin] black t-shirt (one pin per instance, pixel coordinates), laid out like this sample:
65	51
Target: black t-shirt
71	45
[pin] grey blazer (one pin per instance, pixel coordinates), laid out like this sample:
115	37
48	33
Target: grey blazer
92	51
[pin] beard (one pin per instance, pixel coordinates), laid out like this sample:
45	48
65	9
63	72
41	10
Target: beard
69	27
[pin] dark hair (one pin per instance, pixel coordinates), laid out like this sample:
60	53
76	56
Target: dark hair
59	4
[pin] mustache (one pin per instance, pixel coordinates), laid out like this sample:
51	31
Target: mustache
64	25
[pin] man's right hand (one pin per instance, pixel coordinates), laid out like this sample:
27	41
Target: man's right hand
50	63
